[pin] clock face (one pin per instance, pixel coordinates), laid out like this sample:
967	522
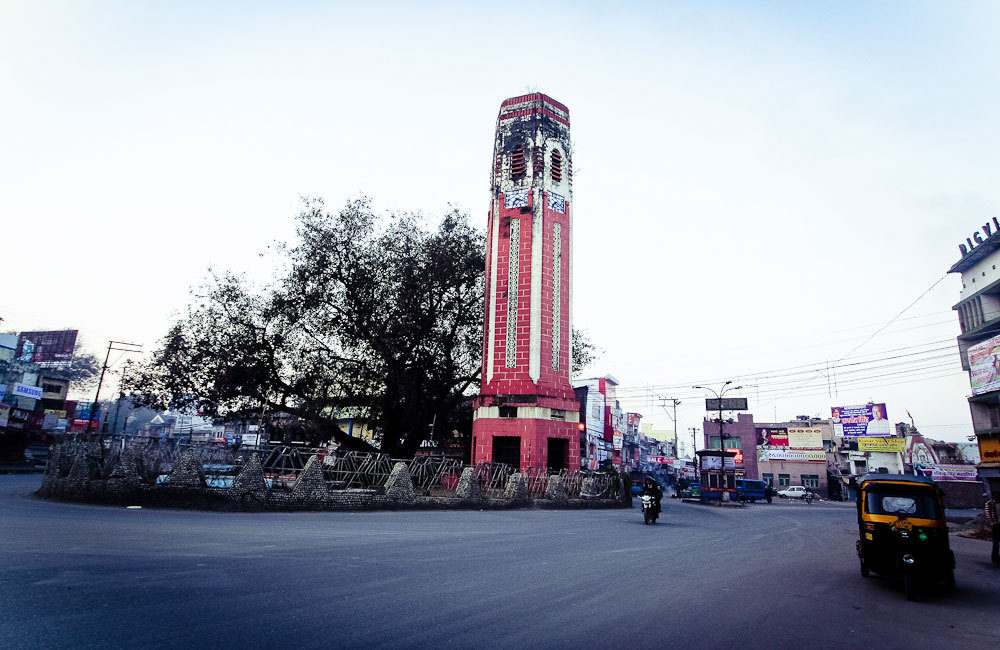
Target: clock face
557	203
516	199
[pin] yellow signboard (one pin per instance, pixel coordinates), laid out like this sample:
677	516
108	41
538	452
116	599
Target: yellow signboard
890	445
989	450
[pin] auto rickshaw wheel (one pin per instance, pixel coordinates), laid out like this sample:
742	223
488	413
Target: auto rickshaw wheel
910	586
864	569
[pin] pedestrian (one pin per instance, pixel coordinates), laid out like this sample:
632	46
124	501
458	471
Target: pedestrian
990	511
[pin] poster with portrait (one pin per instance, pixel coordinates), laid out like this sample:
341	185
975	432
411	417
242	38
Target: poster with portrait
861	420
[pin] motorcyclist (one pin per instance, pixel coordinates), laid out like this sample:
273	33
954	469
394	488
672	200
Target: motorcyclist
652	488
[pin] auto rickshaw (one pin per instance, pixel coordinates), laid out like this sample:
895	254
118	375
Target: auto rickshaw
902	530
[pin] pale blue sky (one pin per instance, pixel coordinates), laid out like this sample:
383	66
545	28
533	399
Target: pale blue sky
760	185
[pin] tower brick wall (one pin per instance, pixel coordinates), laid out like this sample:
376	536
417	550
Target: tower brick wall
525	392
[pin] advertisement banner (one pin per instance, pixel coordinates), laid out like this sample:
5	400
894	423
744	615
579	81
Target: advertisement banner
989	450
617	440
715	462
963	473
772	437
4	414
46	348
861	420
805	438
984	366
792	455
658	459
890	445
23	390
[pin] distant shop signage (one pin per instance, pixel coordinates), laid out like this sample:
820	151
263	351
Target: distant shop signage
4	414
888	445
23	390
861	420
984	366
657	459
617	439
792	455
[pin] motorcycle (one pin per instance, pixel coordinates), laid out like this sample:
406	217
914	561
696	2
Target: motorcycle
648	508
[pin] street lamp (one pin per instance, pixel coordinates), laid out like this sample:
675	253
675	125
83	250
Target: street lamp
722	435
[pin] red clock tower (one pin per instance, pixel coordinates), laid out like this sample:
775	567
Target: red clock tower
526	414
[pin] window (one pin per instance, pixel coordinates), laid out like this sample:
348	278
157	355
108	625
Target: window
784	480
517	165
769	479
731	443
508	411
556	169
558	414
51	388
810	480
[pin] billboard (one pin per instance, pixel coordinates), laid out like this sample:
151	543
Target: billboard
984	366
726	404
964	473
772	436
46	348
792	455
890	445
861	420
805	437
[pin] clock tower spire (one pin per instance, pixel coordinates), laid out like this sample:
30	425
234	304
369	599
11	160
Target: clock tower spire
526	413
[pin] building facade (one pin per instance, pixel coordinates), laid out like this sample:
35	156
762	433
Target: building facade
741	437
526	413
979	342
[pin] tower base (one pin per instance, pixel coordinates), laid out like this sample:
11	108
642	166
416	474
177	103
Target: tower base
527	435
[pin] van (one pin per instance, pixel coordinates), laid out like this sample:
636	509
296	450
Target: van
751	489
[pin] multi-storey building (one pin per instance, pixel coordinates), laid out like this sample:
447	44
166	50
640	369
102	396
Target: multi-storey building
526	413
979	342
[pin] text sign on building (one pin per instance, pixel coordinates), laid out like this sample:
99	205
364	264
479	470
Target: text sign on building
792	455
984	366
805	437
657	459
989	450
860	420
726	404
963	473
23	390
887	445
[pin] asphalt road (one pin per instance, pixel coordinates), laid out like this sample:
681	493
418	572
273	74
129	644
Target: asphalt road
765	576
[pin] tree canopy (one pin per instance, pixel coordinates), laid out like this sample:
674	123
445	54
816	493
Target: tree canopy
375	317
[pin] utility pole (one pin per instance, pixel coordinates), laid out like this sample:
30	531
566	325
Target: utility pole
675	402
127	347
121	394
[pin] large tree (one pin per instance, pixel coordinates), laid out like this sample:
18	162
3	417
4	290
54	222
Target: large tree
369	316
376	317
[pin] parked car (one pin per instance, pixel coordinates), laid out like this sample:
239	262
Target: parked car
793	492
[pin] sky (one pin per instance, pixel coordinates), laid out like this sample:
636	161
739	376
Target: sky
768	192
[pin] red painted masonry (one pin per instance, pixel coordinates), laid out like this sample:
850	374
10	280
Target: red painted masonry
525	392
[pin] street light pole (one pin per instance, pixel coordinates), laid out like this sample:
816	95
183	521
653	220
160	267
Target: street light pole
722	434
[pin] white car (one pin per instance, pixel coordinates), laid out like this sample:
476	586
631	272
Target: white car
793	492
